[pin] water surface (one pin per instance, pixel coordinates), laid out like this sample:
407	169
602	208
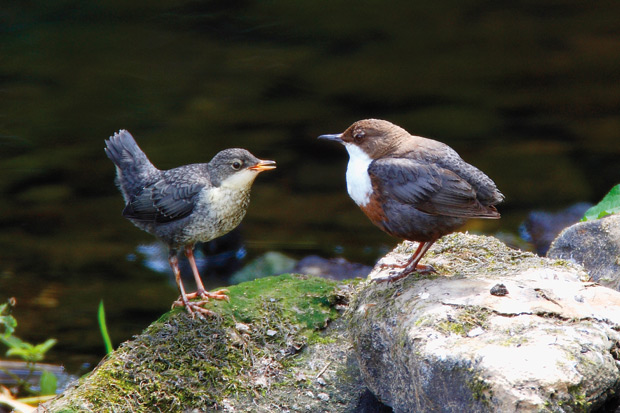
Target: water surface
528	92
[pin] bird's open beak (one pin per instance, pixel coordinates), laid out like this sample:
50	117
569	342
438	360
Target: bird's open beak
263	165
336	137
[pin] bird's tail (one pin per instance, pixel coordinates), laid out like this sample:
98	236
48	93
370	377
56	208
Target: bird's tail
133	168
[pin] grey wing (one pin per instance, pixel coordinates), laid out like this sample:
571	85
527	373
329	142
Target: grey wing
428	187
163	202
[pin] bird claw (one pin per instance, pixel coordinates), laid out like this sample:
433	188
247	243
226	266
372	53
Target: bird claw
395	275
424	269
206	295
218	295
194	308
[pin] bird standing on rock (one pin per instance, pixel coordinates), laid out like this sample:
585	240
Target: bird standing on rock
185	205
411	187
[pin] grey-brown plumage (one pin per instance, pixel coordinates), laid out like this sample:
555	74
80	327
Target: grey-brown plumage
412	187
185	205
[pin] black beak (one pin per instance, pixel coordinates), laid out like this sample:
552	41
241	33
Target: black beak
336	137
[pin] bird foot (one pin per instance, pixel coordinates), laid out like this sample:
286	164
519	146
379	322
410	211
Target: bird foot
396	275
393	276
194	308
206	295
424	269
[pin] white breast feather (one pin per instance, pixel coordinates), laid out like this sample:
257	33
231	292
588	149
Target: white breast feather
358	181
240	180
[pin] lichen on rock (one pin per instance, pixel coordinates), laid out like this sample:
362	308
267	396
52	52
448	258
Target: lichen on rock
444	342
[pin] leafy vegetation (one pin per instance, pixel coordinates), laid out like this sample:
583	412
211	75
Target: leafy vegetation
29	353
610	204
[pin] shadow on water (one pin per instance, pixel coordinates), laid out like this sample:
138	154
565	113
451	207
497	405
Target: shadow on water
528	92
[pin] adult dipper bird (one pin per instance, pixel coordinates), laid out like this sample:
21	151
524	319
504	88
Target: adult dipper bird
185	205
412	187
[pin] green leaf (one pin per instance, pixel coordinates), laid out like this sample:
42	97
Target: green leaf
23	353
45	346
9	323
14	342
610	204
48	383
25	350
6	320
104	328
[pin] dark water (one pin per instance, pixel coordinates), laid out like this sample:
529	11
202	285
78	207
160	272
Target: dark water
527	91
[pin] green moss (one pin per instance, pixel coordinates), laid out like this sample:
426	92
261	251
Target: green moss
180	362
578	401
447	327
514	341
423	321
465	320
308	300
316	337
480	390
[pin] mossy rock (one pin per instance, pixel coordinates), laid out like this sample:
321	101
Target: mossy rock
255	348
454	341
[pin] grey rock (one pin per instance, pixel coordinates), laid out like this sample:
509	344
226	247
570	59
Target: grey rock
274	263
335	268
444	343
270	263
541	227
595	245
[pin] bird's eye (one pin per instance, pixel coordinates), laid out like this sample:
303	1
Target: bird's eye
359	135
236	165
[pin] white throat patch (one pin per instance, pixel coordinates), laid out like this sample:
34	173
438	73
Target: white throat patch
240	180
358	181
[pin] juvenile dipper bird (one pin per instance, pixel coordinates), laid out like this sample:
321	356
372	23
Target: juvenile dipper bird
411	187
185	205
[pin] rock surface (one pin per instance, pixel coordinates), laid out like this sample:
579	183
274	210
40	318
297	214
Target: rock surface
595	245
544	340
269	351
495	329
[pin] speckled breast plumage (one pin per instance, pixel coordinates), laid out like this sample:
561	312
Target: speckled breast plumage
217	212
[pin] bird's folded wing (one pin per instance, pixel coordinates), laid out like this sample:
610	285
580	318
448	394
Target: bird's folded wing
428	187
163	202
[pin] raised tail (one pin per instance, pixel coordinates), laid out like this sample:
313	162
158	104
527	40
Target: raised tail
133	168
